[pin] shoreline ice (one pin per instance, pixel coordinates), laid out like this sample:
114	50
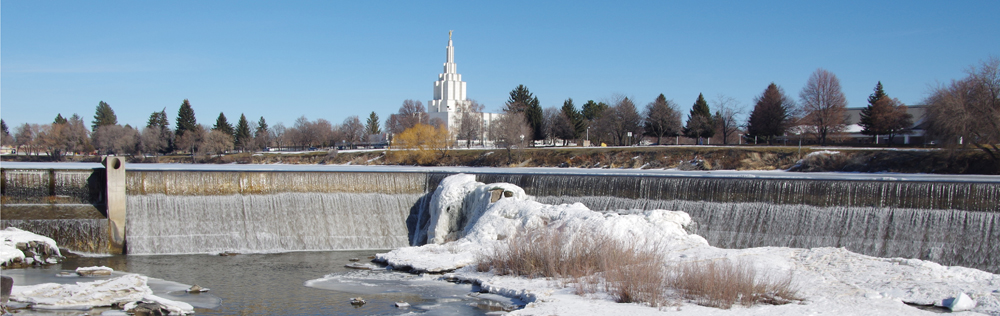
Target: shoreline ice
830	280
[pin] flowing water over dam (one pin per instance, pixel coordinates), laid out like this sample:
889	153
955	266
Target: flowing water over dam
952	221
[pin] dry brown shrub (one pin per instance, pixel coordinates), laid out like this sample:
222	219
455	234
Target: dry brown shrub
633	271
724	283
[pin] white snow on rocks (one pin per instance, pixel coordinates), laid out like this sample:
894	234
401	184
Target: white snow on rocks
830	280
125	289
11	236
83	295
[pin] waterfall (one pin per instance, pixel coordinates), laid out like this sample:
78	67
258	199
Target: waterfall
164	224
86	235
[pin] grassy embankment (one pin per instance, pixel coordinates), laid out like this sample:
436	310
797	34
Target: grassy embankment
651	157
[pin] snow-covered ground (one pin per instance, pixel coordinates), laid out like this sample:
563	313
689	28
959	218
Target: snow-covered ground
830	281
530	170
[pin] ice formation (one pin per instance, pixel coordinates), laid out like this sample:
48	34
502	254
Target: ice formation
830	280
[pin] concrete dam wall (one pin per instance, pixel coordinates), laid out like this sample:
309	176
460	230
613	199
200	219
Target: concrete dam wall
212	211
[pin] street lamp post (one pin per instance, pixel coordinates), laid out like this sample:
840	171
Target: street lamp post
522	141
630	138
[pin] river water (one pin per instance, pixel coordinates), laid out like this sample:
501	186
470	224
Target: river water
275	284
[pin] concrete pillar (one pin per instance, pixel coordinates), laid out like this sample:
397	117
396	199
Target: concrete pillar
115	171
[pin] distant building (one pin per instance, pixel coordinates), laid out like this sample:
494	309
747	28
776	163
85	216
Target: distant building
449	96
916	136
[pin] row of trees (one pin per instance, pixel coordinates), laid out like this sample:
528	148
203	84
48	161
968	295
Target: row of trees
106	136
964	113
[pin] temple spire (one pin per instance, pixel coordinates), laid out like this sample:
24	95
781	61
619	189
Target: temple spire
449	64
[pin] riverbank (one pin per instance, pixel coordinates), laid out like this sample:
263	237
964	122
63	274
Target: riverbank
829	159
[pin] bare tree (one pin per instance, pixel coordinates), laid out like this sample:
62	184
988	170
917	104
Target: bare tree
24	137
153	141
620	120
511	131
52	138
216	142
278	135
116	140
410	114
550	120
967	112
824	104
352	129
470	121
726	111
662	119
191	139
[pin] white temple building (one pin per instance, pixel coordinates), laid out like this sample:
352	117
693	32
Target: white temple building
450	96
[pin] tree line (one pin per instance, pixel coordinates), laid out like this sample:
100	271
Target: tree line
965	113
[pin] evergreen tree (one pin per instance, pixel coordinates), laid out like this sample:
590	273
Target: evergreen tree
3	127
243	137
262	138
158	120
662	119
771	114
522	101
59	119
576	122
261	128
884	116
185	119
372	127
222	125
104	116
593	110
700	123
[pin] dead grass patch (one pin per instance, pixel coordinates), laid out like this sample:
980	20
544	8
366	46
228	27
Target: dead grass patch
724	283
632	271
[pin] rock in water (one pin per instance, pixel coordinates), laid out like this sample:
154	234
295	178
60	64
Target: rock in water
6	284
402	304
961	302
357	301
196	289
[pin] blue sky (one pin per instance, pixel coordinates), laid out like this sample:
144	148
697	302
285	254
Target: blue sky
331	60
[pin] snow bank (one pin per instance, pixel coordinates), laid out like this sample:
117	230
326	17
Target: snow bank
829	280
83	295
12	236
471	214
126	289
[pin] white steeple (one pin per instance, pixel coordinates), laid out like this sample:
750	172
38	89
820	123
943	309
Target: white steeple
449	89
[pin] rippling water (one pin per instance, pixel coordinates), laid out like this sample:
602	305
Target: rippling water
274	284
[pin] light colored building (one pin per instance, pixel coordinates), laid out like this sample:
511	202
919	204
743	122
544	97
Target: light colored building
450	95
915	136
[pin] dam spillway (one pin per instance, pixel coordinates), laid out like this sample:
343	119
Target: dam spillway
952	220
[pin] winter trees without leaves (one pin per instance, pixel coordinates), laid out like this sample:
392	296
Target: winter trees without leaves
511	131
967	112
470	121
410	114
619	121
884	116
824	105
771	115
